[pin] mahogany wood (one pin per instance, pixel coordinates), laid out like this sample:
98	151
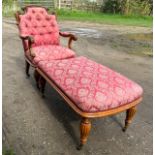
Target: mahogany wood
42	83
30	62
85	127
129	116
27	66
71	38
17	17
37	77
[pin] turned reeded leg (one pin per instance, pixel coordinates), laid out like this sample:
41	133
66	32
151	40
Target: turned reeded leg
27	66
42	83
129	115
85	127
37	77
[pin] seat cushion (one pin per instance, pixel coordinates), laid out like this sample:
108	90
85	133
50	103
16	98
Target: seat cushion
51	52
91	86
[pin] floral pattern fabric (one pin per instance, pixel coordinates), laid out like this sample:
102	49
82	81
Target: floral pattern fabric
92	86
51	52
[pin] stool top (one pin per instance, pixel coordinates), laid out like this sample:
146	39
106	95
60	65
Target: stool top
91	86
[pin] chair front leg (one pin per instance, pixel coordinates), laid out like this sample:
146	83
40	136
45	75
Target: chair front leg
129	116
27	67
85	127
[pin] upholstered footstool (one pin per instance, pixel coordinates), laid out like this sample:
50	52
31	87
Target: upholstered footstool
91	89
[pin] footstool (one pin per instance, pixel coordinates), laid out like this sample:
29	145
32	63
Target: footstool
90	89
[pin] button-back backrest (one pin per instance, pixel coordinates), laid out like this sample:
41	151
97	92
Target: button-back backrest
42	26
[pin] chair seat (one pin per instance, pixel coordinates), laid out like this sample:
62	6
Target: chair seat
51	52
91	86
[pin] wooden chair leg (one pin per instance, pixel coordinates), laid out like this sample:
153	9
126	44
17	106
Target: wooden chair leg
27	66
37	77
129	115
42	83
85	127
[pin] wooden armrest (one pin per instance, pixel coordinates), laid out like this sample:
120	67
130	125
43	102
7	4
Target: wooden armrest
70	36
66	34
30	42
29	38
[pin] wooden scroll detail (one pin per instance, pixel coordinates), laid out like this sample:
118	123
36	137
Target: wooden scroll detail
70	36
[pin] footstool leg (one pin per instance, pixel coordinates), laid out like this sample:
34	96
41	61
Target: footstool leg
37	77
42	83
85	127
129	115
27	66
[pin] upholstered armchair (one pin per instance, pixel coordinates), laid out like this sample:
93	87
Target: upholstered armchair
40	36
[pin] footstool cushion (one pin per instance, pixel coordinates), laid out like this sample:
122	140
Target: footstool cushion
91	86
51	52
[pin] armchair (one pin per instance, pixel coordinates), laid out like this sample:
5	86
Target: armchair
40	36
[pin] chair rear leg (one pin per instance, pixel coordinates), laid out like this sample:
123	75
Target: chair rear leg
129	116
42	83
37	77
85	127
27	66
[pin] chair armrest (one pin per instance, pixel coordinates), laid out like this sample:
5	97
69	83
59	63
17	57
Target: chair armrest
29	38
70	36
30	42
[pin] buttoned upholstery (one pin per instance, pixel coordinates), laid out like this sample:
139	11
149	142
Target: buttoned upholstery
91	86
42	26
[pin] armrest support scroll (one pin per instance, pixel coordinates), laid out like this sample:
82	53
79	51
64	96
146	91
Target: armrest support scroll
30	40
70	36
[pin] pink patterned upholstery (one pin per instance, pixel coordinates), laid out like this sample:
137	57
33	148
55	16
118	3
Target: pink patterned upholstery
51	52
38	23
91	86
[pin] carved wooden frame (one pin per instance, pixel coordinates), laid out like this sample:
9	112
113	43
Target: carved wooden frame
85	125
